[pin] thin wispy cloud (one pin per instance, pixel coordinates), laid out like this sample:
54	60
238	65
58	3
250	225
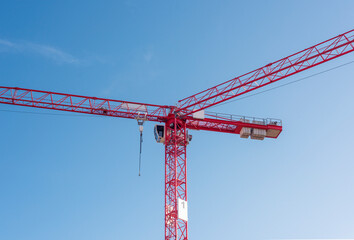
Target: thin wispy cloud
148	56
6	43
45	51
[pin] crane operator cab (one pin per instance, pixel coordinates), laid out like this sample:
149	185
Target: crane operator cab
159	132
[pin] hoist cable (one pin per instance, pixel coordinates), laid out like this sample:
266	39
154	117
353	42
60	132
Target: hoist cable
282	85
141	145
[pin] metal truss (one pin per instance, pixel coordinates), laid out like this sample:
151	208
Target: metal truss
175	178
272	72
82	104
227	123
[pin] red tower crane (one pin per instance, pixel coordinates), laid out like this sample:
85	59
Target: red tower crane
189	114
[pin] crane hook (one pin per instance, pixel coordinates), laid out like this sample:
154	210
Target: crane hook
141	121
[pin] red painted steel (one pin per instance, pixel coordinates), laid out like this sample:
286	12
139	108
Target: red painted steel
112	108
82	104
175	177
227	123
178	119
272	72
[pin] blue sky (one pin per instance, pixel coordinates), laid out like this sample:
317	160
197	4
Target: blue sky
72	177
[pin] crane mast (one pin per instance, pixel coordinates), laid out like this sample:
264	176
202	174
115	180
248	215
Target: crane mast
176	218
189	114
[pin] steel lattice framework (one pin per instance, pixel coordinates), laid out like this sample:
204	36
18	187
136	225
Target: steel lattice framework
272	72
178	119
175	177
81	104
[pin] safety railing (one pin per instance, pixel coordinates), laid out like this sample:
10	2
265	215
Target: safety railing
232	117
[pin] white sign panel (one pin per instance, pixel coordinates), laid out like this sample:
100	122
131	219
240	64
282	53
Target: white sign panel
199	115
134	107
182	208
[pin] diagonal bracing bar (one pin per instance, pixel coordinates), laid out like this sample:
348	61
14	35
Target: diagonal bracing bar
175	178
82	104
273	72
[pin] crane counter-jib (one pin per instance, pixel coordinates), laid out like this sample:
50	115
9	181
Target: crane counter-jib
245	128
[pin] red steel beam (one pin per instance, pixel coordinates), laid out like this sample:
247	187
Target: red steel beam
116	108
233	124
272	72
82	104
175	178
